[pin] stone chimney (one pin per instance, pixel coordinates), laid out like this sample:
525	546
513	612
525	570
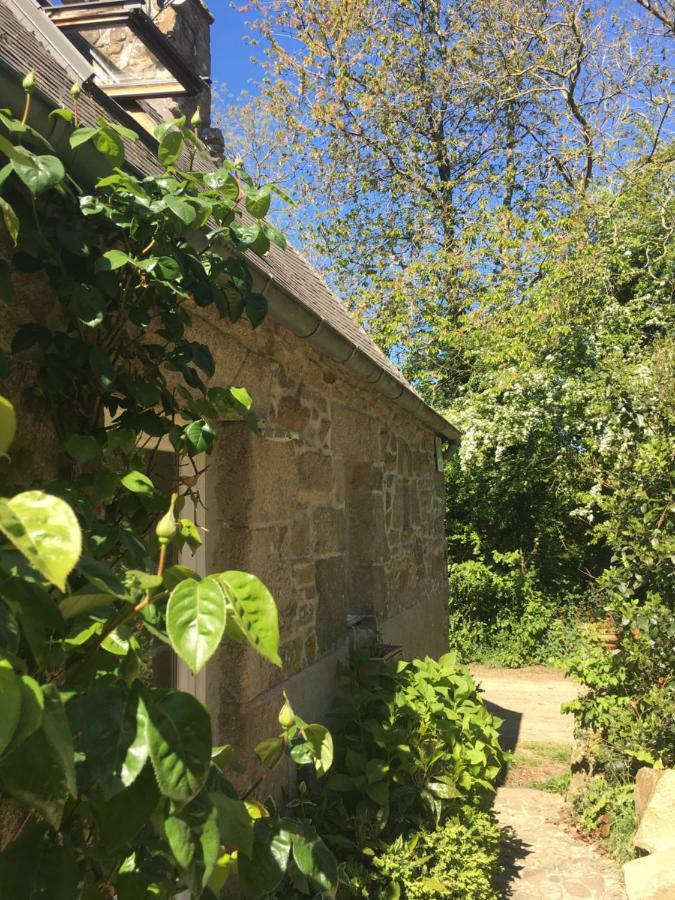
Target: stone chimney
130	66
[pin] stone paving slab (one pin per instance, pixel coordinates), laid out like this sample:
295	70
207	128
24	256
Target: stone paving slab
543	860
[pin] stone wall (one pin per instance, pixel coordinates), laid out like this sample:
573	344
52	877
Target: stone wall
338	507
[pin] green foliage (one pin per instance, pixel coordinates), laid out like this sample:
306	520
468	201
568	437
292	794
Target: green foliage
415	744
119	788
459	859
629	699
560	497
498	617
606	809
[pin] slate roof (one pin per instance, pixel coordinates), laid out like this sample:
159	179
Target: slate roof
20	50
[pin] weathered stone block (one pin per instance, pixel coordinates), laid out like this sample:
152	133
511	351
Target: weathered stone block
353	434
331	613
651	877
657	825
315	477
301	535
645	785
328	531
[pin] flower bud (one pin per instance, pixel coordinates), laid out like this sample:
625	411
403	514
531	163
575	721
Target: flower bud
28	84
75	90
286	716
196	119
166	527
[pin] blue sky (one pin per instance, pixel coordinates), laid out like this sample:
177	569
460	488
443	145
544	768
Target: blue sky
230	56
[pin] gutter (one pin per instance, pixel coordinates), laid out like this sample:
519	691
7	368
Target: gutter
284	308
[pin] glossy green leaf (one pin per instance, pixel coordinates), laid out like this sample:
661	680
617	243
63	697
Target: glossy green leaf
109	143
170	147
111	260
7	425
270	750
263	872
256	308
190	533
83	601
45	530
234	823
32	708
181	209
9	630
258	201
10	704
195	619
274	235
322	744
179	738
10	218
138	483
312	856
38	173
115	737
255	611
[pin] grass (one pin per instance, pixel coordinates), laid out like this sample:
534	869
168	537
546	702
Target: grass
541	766
558	784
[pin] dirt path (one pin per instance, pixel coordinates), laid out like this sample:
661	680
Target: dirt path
544	859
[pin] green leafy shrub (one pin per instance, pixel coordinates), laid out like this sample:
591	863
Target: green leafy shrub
455	861
498	617
629	701
606	809
415	743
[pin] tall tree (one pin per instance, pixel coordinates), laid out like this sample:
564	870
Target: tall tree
431	135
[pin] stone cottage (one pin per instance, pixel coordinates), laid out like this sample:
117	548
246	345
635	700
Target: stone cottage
339	505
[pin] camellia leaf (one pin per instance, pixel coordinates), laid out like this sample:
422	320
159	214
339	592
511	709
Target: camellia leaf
322	744
179	739
138	483
312	856
10	704
270	751
195	620
115	737
256	308
181	209
10	218
32	707
258	201
123	815
44	528
7	425
38	173
170	147
111	260
190	533
263	872
234	823
255	611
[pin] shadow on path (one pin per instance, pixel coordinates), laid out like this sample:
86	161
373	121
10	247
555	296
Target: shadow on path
512	850
510	727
